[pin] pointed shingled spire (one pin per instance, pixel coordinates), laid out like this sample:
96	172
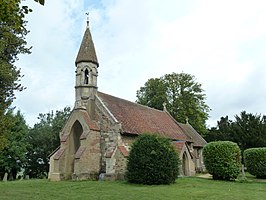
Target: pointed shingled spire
87	51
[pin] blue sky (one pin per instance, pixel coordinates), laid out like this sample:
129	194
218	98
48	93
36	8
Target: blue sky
221	42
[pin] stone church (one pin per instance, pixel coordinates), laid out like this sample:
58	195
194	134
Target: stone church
96	139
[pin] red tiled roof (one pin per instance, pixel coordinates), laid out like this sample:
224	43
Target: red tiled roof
138	119
179	145
123	150
92	124
193	134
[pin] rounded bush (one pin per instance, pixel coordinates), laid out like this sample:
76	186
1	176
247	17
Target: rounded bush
255	161
152	160
222	160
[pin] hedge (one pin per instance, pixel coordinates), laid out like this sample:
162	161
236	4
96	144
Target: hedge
152	160
255	161
222	159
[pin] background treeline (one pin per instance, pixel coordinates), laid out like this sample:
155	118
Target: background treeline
26	150
247	130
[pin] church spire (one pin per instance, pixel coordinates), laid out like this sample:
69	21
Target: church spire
87	51
86	74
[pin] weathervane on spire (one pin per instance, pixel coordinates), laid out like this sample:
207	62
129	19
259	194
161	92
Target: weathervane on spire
87	18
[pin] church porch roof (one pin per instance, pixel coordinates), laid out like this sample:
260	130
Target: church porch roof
198	140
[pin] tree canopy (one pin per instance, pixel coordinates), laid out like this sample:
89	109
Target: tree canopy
183	96
13	154
43	139
12	43
247	130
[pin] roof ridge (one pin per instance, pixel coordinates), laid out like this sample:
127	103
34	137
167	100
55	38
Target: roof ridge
177	123
138	104
194	130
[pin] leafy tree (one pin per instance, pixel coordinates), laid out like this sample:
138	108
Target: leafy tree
183	96
43	140
40	1
12	43
13	155
153	94
247	130
152	160
222	132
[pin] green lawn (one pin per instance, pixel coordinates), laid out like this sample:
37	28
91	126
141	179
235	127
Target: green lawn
184	188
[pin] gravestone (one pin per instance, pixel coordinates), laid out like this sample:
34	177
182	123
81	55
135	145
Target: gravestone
101	177
5	177
243	171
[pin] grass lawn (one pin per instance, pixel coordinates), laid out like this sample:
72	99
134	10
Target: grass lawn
184	188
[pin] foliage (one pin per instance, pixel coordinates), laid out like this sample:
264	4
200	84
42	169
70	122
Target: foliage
153	94
255	161
43	140
222	160
12	43
222	132
12	156
40	1
247	130
152	160
183	189
183	96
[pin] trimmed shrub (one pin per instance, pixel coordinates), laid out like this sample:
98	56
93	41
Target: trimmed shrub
152	160
222	160
255	161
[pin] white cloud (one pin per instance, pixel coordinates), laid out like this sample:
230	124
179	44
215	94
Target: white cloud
222	43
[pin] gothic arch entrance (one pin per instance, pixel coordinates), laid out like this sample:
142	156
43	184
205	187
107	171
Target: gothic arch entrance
185	166
74	144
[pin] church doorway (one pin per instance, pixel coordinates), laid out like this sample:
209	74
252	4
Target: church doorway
74	144
185	166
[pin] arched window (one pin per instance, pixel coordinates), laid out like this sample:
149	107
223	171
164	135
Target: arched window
86	77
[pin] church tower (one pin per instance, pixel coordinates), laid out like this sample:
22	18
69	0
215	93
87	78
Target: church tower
86	74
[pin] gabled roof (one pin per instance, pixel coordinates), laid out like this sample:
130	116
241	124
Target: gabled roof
179	145
197	139
137	119
87	51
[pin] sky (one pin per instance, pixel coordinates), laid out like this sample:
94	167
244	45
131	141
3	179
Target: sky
220	42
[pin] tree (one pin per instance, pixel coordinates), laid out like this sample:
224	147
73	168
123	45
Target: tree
222	132
183	96
12	43
247	130
40	1
152	160
153	94
12	156
43	140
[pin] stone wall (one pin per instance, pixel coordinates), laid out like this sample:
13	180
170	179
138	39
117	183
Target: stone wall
88	158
